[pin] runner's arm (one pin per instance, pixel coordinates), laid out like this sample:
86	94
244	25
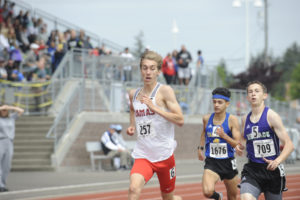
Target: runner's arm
174	114
131	128
235	129
202	139
277	125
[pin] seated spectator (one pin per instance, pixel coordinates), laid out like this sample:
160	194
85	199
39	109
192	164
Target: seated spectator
9	67
118	128
113	148
3	72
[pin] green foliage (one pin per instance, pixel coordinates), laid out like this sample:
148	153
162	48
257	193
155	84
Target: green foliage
276	74
224	76
139	46
287	65
295	83
267	74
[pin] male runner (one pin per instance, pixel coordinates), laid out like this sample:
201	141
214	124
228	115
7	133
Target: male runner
221	133
153	113
263	129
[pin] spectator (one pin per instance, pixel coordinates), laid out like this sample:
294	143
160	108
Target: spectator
43	35
16	55
127	68
168	69
7	135
72	42
174	56
112	147
87	43
199	65
9	67
3	72
183	59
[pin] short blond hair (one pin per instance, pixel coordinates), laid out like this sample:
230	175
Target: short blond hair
151	55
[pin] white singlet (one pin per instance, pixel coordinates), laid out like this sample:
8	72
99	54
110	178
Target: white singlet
155	135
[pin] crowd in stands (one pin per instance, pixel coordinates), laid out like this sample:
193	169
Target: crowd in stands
28	52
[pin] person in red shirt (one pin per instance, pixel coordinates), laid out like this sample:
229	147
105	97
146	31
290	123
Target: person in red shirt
168	69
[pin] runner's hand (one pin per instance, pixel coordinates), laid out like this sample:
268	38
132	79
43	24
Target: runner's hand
201	155
146	100
239	149
272	164
220	132
130	130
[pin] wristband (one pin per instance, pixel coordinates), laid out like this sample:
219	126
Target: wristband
201	147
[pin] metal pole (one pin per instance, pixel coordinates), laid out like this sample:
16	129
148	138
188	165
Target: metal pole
266	32
247	35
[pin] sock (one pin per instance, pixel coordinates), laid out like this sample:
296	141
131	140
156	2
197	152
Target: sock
215	196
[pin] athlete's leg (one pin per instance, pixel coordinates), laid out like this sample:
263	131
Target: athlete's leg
209	181
170	196
140	174
137	183
272	196
231	187
249	191
166	174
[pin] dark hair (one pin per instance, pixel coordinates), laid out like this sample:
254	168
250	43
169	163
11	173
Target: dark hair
259	83
222	91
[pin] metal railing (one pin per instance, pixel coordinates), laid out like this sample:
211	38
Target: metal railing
33	97
104	87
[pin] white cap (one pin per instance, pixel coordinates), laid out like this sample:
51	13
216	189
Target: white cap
34	46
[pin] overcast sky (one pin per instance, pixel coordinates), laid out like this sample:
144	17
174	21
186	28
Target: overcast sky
213	26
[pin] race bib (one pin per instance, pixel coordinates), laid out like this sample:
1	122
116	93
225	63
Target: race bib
281	170
218	150
214	133
264	148
146	129
234	165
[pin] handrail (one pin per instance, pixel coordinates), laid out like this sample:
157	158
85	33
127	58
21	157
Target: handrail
61	113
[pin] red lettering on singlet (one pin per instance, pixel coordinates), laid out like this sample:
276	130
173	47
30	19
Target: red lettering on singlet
143	112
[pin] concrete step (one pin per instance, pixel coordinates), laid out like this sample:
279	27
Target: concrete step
35	118
32	150
41	161
28	148
33	136
32	154
32	168
22	124
24	142
32	129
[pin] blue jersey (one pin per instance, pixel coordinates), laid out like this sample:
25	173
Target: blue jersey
261	139
216	147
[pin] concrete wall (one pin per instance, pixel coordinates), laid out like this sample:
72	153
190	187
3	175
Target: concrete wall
187	137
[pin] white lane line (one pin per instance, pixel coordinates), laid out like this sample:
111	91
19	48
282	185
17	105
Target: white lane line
86	185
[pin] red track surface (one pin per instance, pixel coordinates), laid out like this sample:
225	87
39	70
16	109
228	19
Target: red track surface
191	191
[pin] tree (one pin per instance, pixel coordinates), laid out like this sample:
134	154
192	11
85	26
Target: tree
139	45
268	75
223	74
287	64
295	83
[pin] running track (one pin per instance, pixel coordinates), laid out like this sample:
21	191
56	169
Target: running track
190	191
